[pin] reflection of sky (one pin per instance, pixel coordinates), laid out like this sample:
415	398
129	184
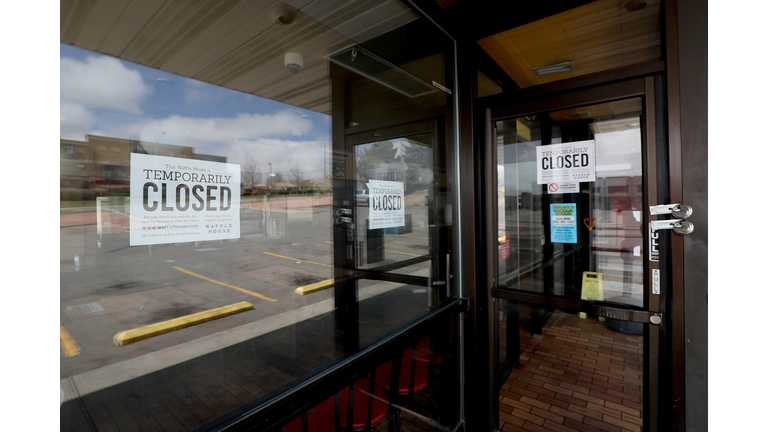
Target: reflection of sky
101	95
618	154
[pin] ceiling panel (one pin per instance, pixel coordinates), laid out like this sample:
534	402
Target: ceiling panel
600	111
597	36
236	44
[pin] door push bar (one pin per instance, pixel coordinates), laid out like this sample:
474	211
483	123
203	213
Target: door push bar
680	211
626	315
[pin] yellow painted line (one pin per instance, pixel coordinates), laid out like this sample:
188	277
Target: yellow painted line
423	238
315	287
385	250
225	284
68	344
404	253
296	259
134	335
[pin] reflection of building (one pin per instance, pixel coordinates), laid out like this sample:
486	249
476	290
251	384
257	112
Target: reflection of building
102	164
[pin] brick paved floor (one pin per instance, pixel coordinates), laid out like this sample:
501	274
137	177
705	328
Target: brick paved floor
578	375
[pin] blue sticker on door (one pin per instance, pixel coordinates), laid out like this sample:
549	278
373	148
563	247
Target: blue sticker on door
562	219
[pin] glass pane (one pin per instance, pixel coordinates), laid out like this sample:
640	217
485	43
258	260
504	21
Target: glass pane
406	160
218	242
573	373
427	397
574	239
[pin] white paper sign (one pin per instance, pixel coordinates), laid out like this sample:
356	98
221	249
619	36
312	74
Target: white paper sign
386	205
559	188
177	200
654	242
566	163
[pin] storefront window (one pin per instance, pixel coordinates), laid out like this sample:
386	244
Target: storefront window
250	196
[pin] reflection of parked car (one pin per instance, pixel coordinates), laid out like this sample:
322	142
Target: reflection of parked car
361	196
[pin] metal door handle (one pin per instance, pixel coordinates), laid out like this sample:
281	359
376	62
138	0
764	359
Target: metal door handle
681	227
679	211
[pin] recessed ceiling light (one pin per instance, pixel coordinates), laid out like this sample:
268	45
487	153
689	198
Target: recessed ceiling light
554	69
580	114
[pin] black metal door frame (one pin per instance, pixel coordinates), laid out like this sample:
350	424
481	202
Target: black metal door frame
638	81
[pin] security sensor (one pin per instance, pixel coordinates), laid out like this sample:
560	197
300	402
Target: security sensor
294	62
284	16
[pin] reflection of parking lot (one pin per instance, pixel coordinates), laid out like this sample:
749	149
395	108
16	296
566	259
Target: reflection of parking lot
102	293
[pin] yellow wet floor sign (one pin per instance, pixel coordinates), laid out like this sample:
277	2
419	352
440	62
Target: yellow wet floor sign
591	288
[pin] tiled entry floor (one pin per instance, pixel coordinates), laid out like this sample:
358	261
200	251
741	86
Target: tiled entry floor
578	375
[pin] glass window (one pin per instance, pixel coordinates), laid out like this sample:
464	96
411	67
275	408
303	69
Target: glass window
250	195
599	234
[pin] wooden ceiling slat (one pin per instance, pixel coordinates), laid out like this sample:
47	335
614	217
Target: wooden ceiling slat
232	43
188	30
130	23
244	23
92	34
272	46
614	108
373	19
171	22
279	78
72	18
597	36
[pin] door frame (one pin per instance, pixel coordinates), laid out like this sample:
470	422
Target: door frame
433	127
645	81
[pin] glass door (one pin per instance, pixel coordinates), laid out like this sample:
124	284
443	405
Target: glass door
573	315
397	228
553	228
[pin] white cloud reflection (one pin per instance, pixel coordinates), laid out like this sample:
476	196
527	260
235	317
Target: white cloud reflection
102	82
98	83
105	96
218	131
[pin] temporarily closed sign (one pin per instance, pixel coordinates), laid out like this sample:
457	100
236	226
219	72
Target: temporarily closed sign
177	200
566	163
386	205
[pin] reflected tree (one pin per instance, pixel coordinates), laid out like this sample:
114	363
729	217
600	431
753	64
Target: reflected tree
249	171
296	176
373	154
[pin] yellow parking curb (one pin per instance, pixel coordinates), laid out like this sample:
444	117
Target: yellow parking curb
309	289
134	335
